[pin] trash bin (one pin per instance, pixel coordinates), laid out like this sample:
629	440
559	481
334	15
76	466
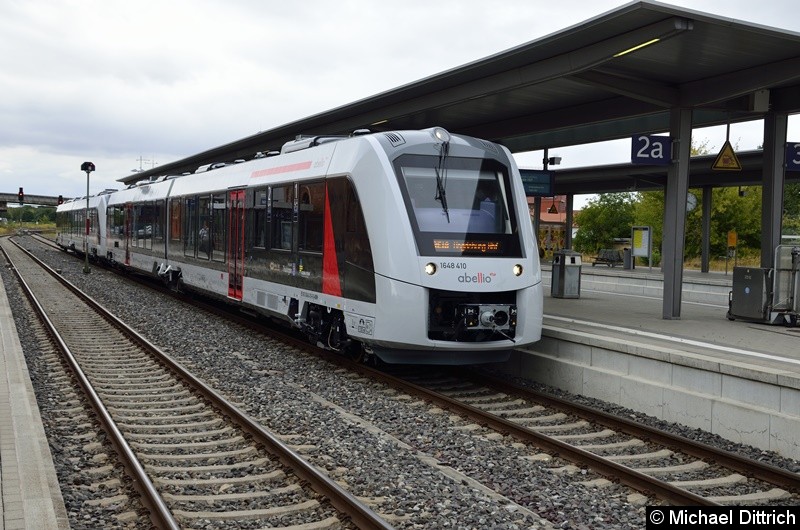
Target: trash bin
627	259
566	277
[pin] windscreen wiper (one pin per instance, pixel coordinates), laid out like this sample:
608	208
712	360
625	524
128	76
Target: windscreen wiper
441	179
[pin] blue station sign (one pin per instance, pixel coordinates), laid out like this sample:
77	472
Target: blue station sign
651	150
538	183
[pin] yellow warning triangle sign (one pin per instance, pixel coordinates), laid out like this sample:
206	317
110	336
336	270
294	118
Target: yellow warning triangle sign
726	159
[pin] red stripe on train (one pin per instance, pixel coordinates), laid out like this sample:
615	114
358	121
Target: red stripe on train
300	166
330	264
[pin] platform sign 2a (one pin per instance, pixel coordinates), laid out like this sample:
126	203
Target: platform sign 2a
651	150
793	156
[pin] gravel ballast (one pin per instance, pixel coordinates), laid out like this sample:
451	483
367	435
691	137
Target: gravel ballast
416	464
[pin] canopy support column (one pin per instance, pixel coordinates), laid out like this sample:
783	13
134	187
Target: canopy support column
705	242
772	179
680	128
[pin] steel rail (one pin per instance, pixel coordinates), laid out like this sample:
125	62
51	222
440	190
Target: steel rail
160	514
760	470
613	470
360	514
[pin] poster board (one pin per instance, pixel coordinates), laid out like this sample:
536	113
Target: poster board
642	243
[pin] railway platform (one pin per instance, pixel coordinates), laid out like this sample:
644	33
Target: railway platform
737	379
31	498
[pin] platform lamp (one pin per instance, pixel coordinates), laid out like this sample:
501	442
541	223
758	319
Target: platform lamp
551	161
88	167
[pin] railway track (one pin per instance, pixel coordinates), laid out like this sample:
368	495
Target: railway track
663	469
195	459
670	467
661	465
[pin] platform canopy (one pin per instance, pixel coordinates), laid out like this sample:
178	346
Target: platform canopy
610	77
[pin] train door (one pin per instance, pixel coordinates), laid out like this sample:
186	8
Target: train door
236	216
128	231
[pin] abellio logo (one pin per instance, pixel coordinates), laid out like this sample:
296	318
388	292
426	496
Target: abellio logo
477	278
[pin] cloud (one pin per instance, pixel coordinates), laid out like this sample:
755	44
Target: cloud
110	81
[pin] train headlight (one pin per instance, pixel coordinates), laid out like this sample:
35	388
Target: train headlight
517	270
441	134
430	269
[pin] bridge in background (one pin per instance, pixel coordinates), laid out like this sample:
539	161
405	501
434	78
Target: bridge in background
37	200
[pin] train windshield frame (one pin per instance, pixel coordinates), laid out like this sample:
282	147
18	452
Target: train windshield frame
459	206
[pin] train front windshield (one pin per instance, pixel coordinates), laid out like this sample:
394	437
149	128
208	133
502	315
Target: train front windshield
461	207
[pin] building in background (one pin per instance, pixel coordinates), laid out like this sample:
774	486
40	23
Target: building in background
552	223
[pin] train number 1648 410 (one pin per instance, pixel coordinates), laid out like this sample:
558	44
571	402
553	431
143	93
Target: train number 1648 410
453	265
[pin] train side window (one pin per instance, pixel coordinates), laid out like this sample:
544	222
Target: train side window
111	223
260	218
149	224
136	215
282	205
355	219
93	221
205	235
175	226
145	222
218	231
158	226
190	229
142	226
310	216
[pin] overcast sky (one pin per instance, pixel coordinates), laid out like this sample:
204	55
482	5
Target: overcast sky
115	81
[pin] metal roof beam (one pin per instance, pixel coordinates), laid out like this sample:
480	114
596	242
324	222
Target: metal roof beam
743	82
555	67
656	93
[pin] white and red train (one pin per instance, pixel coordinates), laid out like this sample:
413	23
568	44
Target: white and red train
415	246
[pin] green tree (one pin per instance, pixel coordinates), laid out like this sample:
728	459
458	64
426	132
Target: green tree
46	215
603	219
739	210
791	209
649	211
733	209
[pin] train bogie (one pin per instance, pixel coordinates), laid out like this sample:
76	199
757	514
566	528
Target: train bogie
415	245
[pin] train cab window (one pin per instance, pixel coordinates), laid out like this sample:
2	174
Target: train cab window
462	207
310	216
282	207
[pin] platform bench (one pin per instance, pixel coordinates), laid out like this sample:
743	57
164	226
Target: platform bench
608	256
